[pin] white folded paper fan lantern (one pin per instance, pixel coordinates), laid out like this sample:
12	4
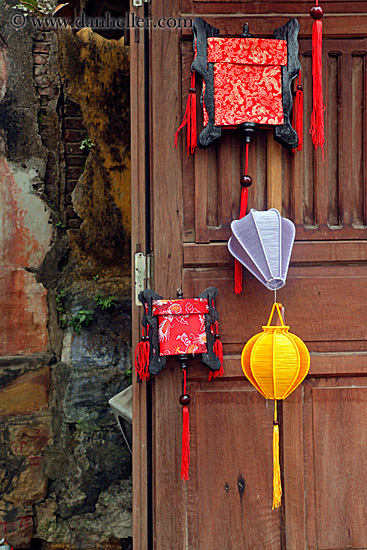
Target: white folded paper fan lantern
263	242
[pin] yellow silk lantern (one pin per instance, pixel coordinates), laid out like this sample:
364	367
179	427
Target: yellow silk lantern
275	362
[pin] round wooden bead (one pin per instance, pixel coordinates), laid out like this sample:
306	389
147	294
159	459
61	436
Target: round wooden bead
316	12
246	181
185	399
275	422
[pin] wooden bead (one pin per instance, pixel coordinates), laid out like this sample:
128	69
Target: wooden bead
246	181
275	422
185	399
316	12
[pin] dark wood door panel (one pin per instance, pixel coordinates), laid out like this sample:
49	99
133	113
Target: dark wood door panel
268	8
325	444
229	494
304	253
325	305
321	365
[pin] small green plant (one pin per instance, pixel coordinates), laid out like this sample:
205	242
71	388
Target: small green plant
129	376
83	318
60	308
33	6
96	277
87	143
60	301
105	303
60	224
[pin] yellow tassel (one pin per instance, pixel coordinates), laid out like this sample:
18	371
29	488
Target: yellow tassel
277	485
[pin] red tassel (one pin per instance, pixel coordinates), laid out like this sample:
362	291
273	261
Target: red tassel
218	351
317	116
185	453
189	119
185	458
237	265
142	352
298	113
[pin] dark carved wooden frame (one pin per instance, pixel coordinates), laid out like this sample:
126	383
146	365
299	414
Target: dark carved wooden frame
283	133
157	362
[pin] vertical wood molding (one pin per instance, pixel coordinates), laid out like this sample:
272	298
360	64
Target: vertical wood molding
274	173
167	236
140	495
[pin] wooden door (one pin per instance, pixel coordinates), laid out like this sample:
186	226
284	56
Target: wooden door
226	503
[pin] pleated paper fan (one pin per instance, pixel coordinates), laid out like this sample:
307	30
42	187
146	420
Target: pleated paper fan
263	242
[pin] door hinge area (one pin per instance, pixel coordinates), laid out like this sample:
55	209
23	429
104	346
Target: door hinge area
138	3
143	274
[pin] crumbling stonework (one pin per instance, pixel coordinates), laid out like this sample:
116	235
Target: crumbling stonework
64	468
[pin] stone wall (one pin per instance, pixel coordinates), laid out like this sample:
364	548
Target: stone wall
65	472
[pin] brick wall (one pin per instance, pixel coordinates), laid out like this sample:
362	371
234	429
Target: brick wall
73	135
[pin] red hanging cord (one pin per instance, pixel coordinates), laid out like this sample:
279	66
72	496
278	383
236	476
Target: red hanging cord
317	116
243	208
189	120
298	113
185	454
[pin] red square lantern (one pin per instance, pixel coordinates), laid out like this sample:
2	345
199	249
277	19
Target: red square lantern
181	326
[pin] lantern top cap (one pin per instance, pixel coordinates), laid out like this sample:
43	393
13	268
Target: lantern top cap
273	328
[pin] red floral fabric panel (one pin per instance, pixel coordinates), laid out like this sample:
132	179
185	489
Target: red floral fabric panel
181	325
247	80
247	93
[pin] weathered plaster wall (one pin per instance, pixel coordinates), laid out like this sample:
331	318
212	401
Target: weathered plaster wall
27	243
64	469
94	72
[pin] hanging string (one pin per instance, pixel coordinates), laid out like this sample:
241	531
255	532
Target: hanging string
185	454
243	208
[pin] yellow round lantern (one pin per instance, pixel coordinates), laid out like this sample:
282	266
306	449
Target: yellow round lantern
275	362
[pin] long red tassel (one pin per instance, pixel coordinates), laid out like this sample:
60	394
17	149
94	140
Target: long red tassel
298	113
317	116
189	119
218	351
185	454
